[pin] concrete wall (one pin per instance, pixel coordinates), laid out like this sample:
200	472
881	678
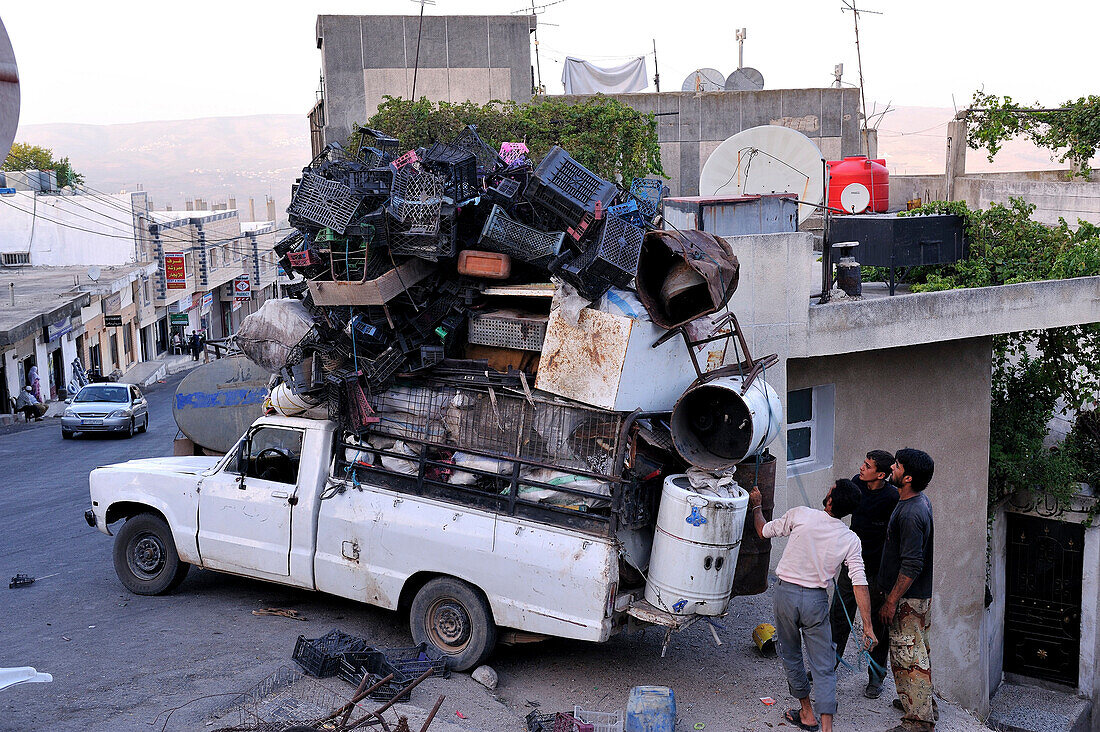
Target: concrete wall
691	125
936	398
60	230
363	58
1068	200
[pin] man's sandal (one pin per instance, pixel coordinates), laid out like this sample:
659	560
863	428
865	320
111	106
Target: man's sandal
794	716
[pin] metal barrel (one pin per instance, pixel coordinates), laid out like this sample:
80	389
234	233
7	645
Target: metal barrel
751	575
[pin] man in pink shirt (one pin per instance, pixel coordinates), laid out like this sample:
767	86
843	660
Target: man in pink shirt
819	543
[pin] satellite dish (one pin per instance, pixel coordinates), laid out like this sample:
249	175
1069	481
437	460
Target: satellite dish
93	273
855	198
9	93
704	80
745	79
765	160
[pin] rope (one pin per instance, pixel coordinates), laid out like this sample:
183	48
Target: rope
863	654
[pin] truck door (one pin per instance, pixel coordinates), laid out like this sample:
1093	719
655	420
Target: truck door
245	510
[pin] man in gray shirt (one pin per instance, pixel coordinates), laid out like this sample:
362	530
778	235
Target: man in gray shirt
906	575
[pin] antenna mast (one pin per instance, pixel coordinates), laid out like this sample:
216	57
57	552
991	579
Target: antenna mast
419	31
742	34
851	5
656	70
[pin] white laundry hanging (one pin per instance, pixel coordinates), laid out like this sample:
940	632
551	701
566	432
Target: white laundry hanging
582	77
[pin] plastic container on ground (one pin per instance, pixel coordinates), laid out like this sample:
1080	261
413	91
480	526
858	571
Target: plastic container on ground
695	547
650	709
320	657
600	721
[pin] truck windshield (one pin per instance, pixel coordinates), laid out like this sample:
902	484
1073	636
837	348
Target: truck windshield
103	394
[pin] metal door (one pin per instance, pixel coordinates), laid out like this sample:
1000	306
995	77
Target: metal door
1043	598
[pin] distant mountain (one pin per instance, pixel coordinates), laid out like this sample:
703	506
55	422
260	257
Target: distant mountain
261	155
212	158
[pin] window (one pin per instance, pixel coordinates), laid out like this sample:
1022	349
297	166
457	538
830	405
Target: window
127	339
274	454
810	429
10	258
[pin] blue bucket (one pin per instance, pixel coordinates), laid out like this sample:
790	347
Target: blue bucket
650	709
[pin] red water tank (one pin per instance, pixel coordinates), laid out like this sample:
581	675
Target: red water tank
858	184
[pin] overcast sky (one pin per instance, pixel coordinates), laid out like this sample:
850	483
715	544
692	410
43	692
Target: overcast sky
123	61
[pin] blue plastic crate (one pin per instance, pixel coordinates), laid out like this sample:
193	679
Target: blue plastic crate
647	192
416	660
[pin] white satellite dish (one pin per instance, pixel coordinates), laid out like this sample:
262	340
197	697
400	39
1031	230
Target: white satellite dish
93	273
704	80
745	78
855	198
765	160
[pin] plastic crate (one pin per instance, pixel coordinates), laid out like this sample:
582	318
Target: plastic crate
508	329
320	657
407	241
458	165
567	189
416	200
627	212
405	160
647	192
502	234
600	721
514	154
303	258
352	667
418	659
568	723
540	722
385	144
381	368
487	160
373	182
326	203
506	189
614	255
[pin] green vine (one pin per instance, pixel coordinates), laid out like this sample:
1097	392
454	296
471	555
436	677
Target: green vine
1073	129
613	140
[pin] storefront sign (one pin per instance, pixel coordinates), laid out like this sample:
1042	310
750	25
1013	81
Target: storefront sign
207	302
112	321
58	329
112	303
175	271
242	289
178	318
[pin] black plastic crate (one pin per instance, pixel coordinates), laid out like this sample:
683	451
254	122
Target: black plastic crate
538	722
387	146
371	182
320	657
381	368
415	660
407	241
459	168
325	203
352	667
487	160
567	189
614	255
502	234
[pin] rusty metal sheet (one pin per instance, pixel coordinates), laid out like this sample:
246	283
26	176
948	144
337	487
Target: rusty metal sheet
584	363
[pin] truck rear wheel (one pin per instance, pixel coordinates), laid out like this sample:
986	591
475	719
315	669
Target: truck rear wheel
145	556
455	618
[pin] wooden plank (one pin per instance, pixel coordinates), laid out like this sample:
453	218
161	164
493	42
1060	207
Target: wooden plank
375	292
537	289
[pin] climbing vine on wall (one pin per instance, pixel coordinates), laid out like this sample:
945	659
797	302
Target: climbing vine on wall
1072	131
612	139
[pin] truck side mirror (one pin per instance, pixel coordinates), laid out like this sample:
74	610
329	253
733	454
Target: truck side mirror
242	457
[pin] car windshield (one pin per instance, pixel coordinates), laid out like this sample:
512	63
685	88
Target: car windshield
103	394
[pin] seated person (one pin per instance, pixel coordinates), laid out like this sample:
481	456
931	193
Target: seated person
29	406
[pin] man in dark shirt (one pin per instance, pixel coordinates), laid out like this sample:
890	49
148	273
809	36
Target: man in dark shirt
869	524
906	570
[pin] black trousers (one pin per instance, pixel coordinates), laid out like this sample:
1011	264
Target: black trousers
843	613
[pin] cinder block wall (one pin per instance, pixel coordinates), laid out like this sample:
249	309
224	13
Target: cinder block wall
691	125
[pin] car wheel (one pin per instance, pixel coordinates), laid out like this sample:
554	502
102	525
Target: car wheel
455	618
66	434
144	425
133	428
145	556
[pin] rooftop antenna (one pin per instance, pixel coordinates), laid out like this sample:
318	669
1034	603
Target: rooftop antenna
419	31
851	5
743	78
838	73
742	34
536	10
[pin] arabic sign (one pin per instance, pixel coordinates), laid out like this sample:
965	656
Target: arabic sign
178	318
112	321
175	271
58	329
242	289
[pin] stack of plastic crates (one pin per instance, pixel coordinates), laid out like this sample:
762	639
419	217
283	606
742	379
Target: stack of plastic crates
568	190
610	261
502	234
320	657
415	660
469	140
373	665
459	168
323	203
647	192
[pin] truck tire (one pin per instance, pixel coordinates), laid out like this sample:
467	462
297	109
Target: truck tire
145	556
455	618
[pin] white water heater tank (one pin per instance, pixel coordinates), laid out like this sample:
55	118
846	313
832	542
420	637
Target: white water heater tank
695	549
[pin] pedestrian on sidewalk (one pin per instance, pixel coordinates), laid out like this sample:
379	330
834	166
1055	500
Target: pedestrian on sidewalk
869	524
29	406
819	544
195	345
35	383
907	571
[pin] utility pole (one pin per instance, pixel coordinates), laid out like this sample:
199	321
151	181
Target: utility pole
851	5
538	66
656	71
419	31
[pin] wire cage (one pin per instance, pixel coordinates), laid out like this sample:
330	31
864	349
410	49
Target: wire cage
647	192
487	160
409	241
502	234
284	699
416	200
564	187
324	203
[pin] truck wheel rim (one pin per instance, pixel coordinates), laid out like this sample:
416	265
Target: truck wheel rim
146	556
449	625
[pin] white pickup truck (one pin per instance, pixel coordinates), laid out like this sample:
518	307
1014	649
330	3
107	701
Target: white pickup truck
293	503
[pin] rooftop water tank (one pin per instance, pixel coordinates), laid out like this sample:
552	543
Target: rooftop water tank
858	185
695	547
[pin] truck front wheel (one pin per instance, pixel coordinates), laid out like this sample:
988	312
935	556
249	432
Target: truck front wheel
145	556
456	619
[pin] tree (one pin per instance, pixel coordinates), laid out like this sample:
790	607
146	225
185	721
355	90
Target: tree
24	156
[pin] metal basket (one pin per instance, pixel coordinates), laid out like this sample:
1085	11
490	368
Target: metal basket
410	242
508	329
502	234
284	699
326	203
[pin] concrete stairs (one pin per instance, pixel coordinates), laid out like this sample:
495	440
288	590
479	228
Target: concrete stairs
150	372
1017	708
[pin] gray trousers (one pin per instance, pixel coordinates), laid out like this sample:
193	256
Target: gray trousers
802	615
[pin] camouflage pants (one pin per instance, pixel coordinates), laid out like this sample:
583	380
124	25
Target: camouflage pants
910	660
